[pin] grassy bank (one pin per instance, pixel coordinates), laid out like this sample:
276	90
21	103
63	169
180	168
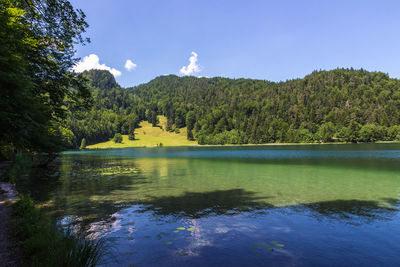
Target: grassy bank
43	244
149	136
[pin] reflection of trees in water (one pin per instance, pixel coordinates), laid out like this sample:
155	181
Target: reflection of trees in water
196	205
97	215
40	182
231	202
77	187
352	211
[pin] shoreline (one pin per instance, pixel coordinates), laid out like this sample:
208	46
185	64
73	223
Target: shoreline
245	145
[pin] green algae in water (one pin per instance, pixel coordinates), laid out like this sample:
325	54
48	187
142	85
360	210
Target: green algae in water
191	229
175	231
167	242
181	228
277	244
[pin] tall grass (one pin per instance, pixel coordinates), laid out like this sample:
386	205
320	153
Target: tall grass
44	245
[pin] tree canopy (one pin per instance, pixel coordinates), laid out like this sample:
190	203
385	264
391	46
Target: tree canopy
37	41
338	105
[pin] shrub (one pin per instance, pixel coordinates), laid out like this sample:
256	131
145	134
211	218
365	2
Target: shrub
117	138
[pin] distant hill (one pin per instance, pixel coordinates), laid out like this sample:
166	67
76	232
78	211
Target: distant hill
338	105
101	79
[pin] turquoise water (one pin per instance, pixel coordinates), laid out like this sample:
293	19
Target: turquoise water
332	205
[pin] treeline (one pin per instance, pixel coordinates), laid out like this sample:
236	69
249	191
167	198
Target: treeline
338	105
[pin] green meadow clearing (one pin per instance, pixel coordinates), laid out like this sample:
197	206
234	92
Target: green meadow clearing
148	136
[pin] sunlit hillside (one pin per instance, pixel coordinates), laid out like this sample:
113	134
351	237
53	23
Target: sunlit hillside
148	136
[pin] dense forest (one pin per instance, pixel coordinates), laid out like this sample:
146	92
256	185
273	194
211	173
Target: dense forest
339	105
37	40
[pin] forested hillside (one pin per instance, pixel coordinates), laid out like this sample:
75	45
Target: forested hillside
342	104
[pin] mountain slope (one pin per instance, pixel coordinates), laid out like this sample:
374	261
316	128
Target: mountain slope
345	104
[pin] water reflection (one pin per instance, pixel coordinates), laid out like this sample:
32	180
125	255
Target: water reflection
93	188
352	211
231	203
196	205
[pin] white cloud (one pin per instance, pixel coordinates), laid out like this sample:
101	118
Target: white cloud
192	67
129	65
92	62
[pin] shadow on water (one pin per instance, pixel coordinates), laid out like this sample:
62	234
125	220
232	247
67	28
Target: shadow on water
196	205
80	185
40	183
75	199
351	211
232	202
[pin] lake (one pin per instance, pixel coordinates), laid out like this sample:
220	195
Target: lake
311	205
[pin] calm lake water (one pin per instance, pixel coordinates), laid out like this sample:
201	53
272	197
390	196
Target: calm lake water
322	205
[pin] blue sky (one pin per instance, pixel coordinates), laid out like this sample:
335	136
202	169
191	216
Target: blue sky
269	40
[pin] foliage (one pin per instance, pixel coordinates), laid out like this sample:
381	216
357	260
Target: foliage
117	138
21	165
326	131
190	135
131	135
83	144
101	79
6	152
43	245
36	54
324	106
320	107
